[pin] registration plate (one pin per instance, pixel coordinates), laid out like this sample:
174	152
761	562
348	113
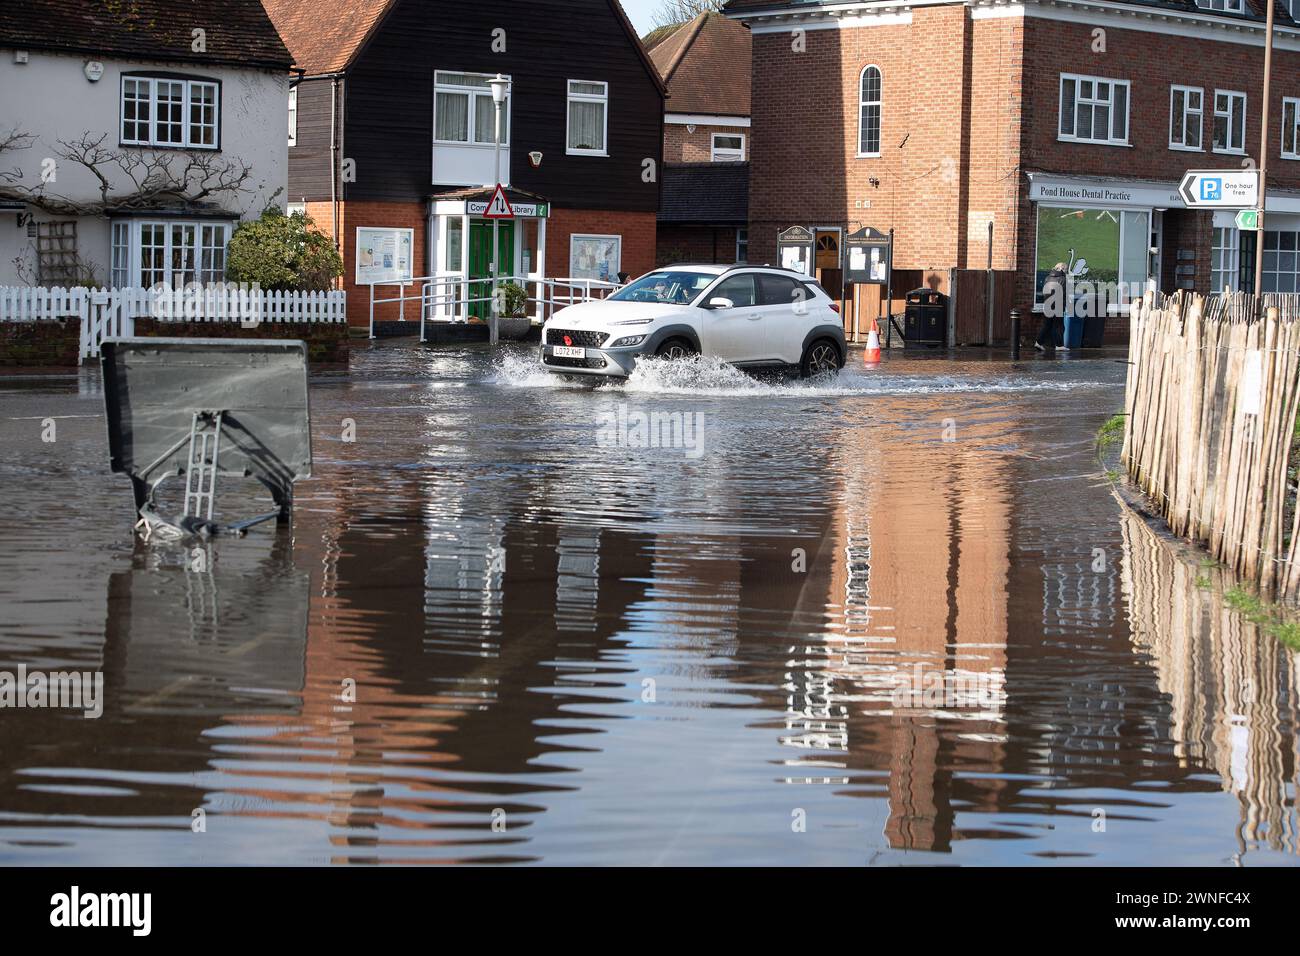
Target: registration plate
568	351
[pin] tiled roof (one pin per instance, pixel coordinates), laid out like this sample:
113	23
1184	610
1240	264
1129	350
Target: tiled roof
324	35
705	193
236	32
706	66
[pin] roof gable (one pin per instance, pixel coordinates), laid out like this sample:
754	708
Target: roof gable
706	66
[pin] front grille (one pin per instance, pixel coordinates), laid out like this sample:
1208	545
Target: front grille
575	362
590	340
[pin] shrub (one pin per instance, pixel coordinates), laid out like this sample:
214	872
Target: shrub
280	252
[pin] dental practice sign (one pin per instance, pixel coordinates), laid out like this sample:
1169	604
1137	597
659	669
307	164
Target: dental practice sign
1220	188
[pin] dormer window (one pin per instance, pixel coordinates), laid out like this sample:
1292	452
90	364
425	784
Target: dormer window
170	111
1223	6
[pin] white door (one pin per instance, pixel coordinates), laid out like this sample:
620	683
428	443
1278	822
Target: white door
735	334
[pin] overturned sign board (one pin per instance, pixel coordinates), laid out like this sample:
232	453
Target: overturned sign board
195	410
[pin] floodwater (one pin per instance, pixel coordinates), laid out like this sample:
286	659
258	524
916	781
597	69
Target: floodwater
894	619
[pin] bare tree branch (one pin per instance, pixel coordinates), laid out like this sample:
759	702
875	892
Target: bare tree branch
150	179
674	12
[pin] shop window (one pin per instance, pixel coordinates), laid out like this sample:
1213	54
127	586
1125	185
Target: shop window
1105	252
1225	260
1094	109
869	112
1186	111
1229	122
1281	270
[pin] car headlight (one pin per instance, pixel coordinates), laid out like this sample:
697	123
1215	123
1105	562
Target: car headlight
633	322
626	341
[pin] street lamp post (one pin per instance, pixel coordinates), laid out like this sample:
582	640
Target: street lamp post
500	88
1263	154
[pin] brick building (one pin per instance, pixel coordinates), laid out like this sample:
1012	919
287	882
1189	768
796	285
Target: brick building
703	215
1066	123
392	145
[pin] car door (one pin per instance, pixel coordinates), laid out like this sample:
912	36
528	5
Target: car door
735	334
786	308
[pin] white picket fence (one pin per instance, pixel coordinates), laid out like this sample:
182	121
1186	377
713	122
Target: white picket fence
111	313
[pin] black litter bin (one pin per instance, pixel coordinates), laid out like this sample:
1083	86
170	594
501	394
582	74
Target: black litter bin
1094	328
925	319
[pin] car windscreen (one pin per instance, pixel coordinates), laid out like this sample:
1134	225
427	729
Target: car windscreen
671	287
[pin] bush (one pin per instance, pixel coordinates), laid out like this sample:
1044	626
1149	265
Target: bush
280	252
513	301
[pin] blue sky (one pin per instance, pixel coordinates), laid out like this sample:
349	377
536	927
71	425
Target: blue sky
639	12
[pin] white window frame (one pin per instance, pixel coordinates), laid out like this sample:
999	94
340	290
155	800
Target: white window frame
1223	6
1233	97
1187	114
293	116
1293	103
1225	248
188	126
1093	102
726	154
742	242
863	103
618	267
472	94
207	235
572	98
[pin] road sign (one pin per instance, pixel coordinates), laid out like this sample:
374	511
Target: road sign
498	206
1221	188
1248	219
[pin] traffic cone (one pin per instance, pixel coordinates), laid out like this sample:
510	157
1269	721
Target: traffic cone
871	355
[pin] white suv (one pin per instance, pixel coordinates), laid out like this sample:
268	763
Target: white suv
752	317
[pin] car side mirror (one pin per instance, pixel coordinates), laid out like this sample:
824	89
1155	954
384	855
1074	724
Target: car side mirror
721	302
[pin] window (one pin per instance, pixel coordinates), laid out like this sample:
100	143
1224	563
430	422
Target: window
780	290
293	116
741	290
1186	109
1094	110
1225	6
120	260
742	245
1281	261
169	111
1229	122
869	113
1291	125
588	117
1225	260
457	98
171	252
595	257
728	147
1104	251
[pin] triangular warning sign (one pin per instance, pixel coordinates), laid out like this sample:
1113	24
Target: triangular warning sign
498	206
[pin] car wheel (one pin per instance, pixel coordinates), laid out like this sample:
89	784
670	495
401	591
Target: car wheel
820	357
676	349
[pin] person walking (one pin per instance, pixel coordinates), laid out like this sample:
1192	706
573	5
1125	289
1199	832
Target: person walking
1051	332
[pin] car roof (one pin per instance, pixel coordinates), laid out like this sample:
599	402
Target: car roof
717	270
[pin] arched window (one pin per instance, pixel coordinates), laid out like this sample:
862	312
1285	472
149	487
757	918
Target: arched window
869	114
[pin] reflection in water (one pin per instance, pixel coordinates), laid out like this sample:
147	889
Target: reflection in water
488	639
1232	689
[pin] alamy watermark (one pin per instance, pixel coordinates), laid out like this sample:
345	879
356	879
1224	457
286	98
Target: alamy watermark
71	690
622	427
936	689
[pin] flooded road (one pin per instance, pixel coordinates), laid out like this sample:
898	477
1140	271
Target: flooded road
894	619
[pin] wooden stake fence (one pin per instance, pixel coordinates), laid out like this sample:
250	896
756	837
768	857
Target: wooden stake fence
1211	405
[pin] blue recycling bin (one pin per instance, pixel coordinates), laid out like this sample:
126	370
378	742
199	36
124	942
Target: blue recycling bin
1073	332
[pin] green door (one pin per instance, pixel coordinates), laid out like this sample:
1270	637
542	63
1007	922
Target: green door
480	262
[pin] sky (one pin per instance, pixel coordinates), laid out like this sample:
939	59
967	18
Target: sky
640	12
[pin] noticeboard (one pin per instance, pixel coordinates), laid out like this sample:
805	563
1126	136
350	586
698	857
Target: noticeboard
384	255
794	248
869	256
